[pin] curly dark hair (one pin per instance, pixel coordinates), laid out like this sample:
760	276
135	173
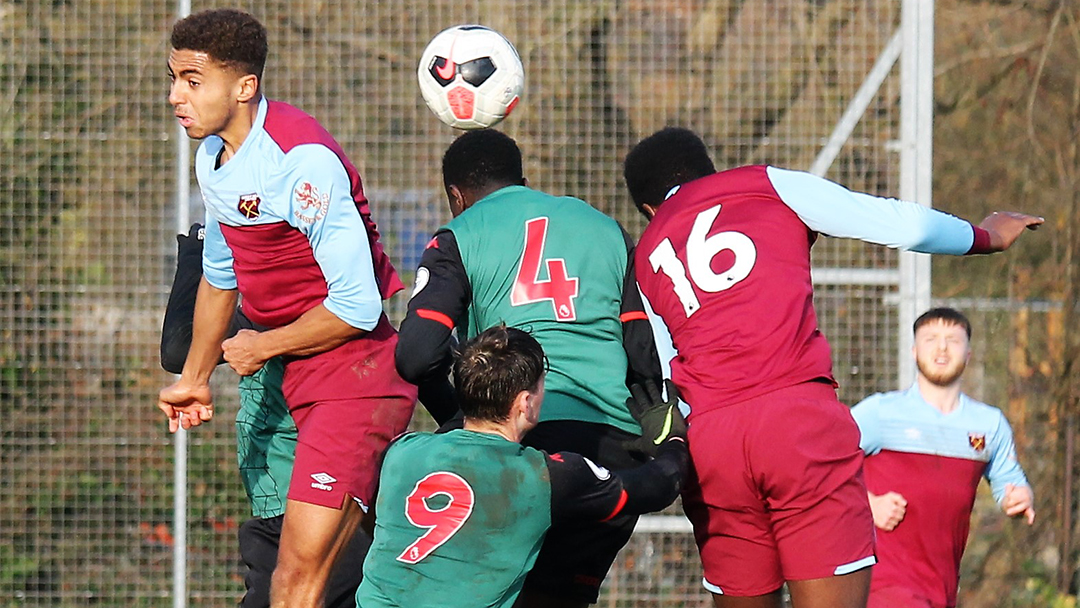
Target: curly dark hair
663	160
492	368
228	35
482	159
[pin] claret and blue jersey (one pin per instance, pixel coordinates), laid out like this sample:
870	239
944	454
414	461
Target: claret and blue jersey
284	222
737	243
934	461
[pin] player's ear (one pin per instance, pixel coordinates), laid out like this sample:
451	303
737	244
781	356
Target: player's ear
248	86
648	210
457	199
526	408
525	182
519	408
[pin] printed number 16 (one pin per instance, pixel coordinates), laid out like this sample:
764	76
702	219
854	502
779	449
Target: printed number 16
700	251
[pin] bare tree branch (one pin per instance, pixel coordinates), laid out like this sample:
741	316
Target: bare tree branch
1032	139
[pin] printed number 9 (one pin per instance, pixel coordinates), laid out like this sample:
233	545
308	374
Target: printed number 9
700	251
441	523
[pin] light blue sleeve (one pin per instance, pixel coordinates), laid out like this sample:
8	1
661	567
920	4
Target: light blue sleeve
322	208
867	415
217	258
833	210
1004	467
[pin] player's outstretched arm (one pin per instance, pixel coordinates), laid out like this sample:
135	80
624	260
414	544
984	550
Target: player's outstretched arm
831	209
1019	502
1004	227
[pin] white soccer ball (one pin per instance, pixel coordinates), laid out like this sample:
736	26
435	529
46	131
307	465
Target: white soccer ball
470	76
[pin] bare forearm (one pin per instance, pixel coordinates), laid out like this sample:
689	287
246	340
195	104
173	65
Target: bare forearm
213	310
317	330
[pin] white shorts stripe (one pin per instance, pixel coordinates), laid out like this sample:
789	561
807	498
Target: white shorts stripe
711	587
865	562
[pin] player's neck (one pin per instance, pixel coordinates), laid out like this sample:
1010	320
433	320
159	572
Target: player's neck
239	128
506	430
485	191
945	399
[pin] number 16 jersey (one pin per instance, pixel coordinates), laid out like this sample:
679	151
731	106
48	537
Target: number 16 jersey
724	269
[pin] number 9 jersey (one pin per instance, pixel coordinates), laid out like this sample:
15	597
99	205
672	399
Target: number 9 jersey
460	516
724	269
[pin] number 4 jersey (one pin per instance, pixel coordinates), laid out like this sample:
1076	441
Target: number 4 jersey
552	266
724	268
460	515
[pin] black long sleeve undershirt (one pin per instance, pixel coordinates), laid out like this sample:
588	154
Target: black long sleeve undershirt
582	490
638	340
425	349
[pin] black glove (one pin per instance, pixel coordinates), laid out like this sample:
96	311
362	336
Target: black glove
660	419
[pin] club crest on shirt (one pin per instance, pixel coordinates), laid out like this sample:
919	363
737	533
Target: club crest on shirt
977	441
249	205
309	197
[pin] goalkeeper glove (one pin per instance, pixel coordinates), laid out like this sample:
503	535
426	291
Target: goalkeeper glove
660	418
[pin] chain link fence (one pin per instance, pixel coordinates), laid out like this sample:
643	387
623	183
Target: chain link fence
87	218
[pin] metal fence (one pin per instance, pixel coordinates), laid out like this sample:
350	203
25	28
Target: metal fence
88	165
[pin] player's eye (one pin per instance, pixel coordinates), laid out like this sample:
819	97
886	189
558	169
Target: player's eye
477	71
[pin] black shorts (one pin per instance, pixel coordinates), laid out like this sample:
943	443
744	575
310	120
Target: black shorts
576	556
259	539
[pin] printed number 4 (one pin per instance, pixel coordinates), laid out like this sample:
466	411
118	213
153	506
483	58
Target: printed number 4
700	251
441	523
559	288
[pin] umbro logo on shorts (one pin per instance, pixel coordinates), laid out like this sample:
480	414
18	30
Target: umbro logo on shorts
322	481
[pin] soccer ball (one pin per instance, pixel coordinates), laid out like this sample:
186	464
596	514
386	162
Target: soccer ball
470	76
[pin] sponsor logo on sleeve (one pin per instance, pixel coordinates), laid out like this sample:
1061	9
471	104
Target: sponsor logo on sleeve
249	206
313	204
